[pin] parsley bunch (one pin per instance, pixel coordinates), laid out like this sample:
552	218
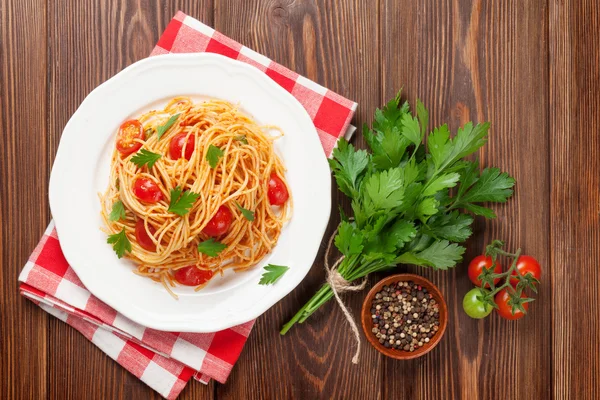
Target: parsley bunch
400	192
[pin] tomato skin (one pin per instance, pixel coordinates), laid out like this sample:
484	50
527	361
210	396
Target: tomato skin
193	276
526	264
505	310
128	132
277	193
474	307
176	146
146	190
476	268
142	237
220	223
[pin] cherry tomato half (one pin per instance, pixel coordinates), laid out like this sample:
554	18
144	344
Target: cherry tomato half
278	193
193	276
128	132
142	236
525	265
505	309
474	307
220	223
476	268
176	146
146	190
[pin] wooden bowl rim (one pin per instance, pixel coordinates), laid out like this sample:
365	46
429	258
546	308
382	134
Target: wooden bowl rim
367	321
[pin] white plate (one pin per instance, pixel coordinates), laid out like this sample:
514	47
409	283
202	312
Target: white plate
81	171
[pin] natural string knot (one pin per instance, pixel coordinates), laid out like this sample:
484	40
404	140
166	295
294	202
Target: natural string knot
340	285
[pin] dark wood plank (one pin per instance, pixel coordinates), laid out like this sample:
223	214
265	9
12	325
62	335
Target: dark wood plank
575	199
481	61
89	43
23	204
335	44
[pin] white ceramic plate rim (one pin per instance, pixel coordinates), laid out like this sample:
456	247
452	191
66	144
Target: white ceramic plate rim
64	195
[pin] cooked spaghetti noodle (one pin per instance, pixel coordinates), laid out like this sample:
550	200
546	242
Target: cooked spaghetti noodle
240	182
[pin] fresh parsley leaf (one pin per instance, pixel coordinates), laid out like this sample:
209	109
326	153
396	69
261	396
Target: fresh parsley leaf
441	254
427	208
120	243
211	247
273	274
349	239
384	190
181	202
145	157
455	226
117	212
479	210
213	154
242	138
348	165
249	215
492	185
411	129
441	182
445	151
423	117
162	129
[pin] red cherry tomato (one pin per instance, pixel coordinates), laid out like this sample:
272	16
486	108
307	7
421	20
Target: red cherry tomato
525	265
142	236
476	268
176	146
220	223
128	132
193	276
146	190
278	193
505	309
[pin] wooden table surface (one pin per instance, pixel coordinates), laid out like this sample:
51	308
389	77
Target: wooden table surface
530	67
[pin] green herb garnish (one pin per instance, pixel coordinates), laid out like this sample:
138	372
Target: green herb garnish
117	212
181	201
213	155
211	247
120	243
273	274
162	129
145	157
242	138
249	215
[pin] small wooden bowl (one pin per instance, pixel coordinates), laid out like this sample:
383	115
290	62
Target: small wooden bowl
367	321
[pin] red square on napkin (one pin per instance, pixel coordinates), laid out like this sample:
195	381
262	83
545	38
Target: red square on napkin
165	361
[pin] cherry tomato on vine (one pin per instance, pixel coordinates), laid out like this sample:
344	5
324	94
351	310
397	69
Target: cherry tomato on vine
278	193
220	223
474	307
142	236
476	268
525	265
128	132
146	190
505	309
193	276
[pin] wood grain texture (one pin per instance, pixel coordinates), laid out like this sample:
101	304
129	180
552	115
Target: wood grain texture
88	43
335	44
23	204
480	60
575	201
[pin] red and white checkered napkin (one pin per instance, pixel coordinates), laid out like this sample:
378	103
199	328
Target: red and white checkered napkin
165	361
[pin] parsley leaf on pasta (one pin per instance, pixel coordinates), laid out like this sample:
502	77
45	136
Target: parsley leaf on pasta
181	202
145	157
213	155
273	274
242	138
120	243
117	212
249	215
211	247
162	129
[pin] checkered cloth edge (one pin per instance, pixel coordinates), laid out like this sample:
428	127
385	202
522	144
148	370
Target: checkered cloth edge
165	361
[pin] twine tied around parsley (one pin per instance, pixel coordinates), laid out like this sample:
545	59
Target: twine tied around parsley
339	284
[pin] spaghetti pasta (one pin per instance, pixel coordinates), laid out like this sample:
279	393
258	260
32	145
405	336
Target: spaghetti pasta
224	162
